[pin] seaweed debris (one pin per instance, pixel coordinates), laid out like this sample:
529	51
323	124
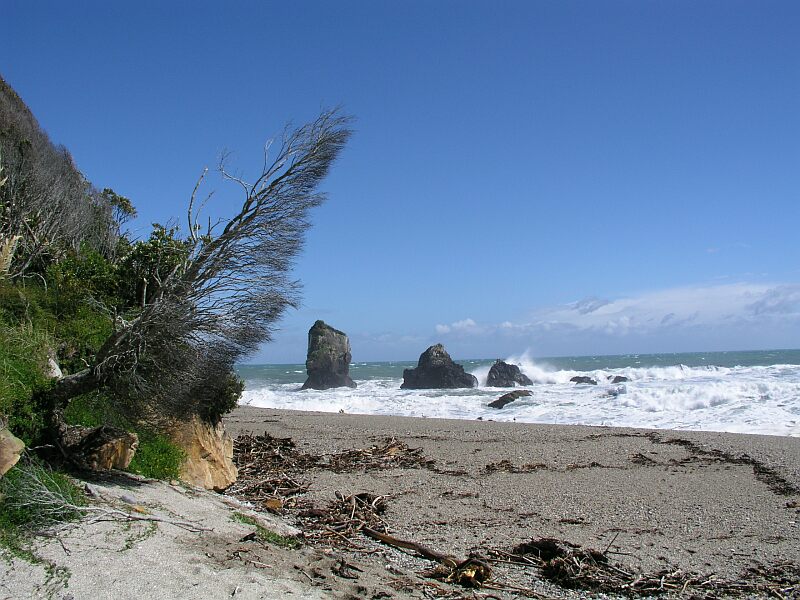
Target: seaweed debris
271	469
575	567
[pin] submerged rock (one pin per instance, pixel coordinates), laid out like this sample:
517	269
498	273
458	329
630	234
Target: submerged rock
436	370
328	360
509	398
616	391
503	374
618	379
583	379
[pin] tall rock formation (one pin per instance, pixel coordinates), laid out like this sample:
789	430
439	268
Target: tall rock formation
436	370
328	361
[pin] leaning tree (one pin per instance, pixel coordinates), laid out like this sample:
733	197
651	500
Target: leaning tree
173	357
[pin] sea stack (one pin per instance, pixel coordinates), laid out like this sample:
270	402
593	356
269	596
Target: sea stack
436	370
503	374
328	360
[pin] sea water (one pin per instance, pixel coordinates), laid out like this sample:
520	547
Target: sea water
746	392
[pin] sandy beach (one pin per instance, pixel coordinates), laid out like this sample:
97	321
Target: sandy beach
712	504
704	515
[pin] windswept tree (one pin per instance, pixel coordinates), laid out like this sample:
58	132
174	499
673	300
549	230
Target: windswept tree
217	295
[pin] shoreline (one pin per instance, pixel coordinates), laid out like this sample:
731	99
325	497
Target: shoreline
700	502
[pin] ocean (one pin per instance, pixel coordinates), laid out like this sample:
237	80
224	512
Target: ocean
745	392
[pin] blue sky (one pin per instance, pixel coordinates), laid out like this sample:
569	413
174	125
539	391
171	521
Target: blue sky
559	177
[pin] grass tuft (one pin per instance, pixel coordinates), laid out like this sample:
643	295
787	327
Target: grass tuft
33	498
264	534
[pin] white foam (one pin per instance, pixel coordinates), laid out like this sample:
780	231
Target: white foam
739	399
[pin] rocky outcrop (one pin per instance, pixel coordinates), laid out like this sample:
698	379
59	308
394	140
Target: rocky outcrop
209	454
101	448
328	360
509	398
503	374
436	370
583	379
11	448
618	379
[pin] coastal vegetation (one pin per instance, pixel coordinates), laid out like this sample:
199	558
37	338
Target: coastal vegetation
100	330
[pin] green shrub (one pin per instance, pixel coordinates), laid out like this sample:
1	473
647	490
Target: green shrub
81	276
92	410
19	304
79	337
157	457
148	262
220	396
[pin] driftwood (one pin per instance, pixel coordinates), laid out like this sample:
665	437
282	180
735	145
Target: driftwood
572	566
471	572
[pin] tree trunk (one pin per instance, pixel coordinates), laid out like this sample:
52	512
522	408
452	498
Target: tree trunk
55	402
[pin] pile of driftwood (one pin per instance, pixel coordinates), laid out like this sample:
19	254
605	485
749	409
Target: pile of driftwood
572	566
268	472
343	518
271	469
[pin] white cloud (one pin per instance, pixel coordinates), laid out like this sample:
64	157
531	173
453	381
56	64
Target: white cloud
713	306
782	300
708	305
465	326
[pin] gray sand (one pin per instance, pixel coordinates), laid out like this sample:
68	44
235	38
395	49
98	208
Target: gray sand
710	503
703	502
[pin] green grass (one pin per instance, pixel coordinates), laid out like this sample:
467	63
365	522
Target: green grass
23	357
264	534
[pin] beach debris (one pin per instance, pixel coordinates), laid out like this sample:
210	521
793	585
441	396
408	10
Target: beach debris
642	459
767	475
509	398
583	379
503	374
343	518
471	572
507	466
345	570
271	469
573	566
